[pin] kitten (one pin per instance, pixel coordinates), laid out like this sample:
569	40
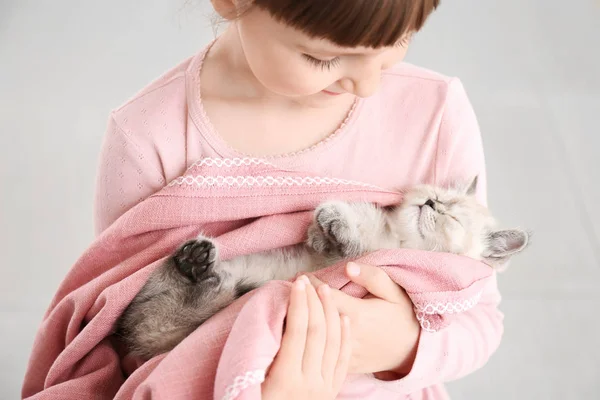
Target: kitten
194	284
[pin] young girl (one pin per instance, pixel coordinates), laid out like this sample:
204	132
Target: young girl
304	83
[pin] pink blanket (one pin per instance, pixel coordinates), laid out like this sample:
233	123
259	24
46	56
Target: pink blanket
249	205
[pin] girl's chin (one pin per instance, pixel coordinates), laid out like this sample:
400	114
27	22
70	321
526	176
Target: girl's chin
318	99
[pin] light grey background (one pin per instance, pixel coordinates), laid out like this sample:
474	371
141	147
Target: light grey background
531	67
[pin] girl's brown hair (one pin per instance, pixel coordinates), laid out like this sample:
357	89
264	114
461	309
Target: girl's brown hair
352	23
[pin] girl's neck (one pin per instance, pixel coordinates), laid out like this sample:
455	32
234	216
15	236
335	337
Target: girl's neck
228	54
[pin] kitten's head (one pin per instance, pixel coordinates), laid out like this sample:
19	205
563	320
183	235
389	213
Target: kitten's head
452	220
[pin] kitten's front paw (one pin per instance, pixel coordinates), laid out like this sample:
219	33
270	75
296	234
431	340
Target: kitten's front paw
332	231
196	260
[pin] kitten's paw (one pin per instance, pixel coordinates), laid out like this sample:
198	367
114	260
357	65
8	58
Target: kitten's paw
196	260
333	231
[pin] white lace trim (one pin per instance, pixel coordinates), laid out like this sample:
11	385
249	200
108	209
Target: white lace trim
423	311
252	181
242	382
229	162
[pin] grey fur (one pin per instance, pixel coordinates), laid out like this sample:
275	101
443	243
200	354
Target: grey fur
194	284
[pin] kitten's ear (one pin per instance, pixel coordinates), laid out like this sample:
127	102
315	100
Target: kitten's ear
472	188
502	245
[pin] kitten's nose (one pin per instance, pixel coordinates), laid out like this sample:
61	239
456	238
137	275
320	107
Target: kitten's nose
430	203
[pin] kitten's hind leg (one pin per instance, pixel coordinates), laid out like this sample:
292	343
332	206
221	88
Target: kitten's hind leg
198	261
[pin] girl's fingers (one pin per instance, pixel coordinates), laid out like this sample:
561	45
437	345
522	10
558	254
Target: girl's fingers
315	335
333	333
376	281
343	361
294	338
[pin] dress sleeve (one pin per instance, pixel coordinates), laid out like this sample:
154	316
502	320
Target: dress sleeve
460	155
473	336
128	172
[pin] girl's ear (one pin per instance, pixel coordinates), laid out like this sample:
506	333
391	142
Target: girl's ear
226	8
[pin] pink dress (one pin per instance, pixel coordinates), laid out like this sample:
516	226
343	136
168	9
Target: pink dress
419	128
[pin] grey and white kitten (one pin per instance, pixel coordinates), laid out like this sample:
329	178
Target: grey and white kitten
194	284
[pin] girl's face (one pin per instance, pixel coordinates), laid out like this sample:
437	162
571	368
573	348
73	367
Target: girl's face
289	63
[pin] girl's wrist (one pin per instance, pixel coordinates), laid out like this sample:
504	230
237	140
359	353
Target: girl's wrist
408	353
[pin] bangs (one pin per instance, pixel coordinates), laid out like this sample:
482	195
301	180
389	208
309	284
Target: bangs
352	23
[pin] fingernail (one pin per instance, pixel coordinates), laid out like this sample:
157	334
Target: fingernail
305	279
353	269
300	284
324	289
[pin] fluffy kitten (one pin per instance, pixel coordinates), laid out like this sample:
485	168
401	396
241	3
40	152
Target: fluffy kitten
193	284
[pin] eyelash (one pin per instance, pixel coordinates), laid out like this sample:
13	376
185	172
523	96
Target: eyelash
325	65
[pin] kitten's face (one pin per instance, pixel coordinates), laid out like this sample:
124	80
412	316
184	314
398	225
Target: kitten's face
452	220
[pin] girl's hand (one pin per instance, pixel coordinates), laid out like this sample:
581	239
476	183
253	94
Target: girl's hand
312	362
385	330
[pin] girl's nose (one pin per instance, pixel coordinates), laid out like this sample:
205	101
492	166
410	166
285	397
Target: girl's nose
364	81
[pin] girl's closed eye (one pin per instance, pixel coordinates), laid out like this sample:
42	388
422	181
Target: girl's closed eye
323	64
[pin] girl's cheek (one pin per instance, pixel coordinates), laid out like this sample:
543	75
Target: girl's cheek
286	73
297	80
307	81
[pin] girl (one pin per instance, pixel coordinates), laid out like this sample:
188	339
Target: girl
304	83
